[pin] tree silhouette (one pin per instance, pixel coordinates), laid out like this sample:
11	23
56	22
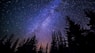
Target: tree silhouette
54	48
47	49
2	43
15	45
40	49
90	40
29	46
6	44
58	44
76	40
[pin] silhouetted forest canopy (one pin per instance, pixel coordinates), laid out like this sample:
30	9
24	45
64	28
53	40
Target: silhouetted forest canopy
78	40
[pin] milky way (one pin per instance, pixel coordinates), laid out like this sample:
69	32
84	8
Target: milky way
24	17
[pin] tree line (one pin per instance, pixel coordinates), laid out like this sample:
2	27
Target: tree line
77	40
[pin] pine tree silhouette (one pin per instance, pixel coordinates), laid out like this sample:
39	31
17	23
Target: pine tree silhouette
6	44
62	44
29	46
40	49
58	44
90	40
15	45
54	46
75	39
2	39
47	49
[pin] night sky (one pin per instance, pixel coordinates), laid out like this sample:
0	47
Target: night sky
24	17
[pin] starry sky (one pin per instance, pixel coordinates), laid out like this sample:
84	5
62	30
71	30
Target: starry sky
24	17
